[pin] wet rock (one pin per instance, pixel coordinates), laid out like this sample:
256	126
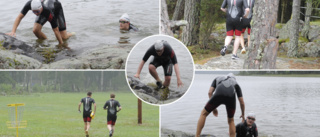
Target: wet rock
9	60
223	62
172	133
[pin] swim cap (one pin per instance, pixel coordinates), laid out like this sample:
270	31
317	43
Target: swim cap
251	114
231	75
158	45
125	17
36	5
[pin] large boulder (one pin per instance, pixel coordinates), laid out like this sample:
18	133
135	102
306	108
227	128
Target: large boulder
314	33
9	60
284	32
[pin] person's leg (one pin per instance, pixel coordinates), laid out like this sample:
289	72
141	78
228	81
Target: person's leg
88	126
236	45
37	31
65	35
153	72
85	126
248	40
232	128
201	121
167	80
228	40
242	40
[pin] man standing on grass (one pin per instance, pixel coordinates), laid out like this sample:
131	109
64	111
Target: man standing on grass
111	105
87	109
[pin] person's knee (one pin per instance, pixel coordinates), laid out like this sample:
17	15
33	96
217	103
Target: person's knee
36	30
230	121
152	68
204	112
167	78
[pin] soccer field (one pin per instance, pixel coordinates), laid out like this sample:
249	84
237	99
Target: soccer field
56	115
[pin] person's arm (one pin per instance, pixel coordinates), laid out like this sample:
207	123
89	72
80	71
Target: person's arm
58	36
176	69
255	131
119	109
137	75
105	106
223	6
247	10
242	106
79	107
15	25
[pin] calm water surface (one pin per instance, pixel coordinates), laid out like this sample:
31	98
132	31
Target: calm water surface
284	106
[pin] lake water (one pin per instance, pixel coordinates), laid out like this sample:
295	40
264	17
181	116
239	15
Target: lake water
183	56
96	22
284	107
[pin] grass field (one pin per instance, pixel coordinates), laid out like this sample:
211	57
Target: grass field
56	115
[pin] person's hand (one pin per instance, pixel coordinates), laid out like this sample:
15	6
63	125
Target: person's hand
246	13
242	116
13	34
93	114
215	112
137	76
179	83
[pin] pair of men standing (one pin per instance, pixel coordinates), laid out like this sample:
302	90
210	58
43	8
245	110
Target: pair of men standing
111	105
239	15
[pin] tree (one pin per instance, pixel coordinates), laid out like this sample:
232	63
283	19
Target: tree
294	33
178	10
165	23
262	52
190	33
306	26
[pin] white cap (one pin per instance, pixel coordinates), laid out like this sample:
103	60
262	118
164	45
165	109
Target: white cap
251	114
158	45
36	5
125	17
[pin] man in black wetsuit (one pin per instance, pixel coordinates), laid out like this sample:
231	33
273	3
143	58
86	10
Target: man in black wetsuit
87	109
163	56
246	25
45	10
125	23
225	89
112	105
233	23
247	128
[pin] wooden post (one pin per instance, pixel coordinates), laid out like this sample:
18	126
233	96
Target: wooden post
139	111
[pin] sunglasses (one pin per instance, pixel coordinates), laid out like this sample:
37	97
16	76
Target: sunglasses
159	51
36	11
251	118
123	22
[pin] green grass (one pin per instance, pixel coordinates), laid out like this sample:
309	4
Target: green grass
56	115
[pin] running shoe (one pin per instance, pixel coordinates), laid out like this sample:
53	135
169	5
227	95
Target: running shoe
223	51
110	133
159	84
243	51
234	56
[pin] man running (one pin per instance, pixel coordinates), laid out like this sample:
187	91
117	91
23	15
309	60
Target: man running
46	10
225	89
112	105
125	23
163	56
247	128
233	23
246	25
87	109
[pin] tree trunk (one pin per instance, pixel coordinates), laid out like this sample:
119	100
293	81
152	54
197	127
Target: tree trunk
178	10
262	52
190	33
306	26
284	5
294	31
165	22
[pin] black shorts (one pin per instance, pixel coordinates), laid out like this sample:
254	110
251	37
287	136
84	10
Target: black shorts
167	66
58	14
86	117
246	25
233	26
111	119
223	95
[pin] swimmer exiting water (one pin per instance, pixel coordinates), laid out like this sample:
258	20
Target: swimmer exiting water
223	90
45	10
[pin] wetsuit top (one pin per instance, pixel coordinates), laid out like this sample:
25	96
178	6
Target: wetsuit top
49	7
132	27
227	81
235	7
87	104
112	106
250	6
167	55
243	131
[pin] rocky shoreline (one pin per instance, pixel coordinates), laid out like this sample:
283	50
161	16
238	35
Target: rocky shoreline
173	133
